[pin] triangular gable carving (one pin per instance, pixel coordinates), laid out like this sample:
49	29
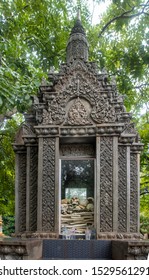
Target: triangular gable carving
81	79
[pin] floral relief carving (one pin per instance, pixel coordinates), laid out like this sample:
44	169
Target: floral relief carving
103	111
55	112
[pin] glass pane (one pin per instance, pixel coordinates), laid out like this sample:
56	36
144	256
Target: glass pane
81	193
77	196
77	175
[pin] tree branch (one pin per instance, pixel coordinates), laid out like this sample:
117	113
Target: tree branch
125	15
142	85
7	115
145	192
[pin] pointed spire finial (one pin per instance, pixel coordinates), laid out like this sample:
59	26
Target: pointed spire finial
77	47
79	14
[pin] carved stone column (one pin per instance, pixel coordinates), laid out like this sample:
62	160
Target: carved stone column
115	184
124	188
106	184
134	191
47	202
31	184
20	189
97	189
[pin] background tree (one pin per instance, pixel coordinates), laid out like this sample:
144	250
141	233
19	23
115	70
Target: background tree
33	39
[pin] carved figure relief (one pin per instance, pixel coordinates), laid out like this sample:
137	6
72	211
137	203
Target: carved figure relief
77	114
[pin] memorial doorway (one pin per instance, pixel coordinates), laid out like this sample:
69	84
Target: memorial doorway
77	188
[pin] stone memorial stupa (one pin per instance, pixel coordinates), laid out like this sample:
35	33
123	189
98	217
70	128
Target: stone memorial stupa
77	154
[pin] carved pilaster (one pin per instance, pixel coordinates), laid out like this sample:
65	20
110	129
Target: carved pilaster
48	185
115	183
134	192
40	172
32	173
122	189
97	189
106	184
20	191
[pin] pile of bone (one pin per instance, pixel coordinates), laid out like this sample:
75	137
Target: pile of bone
76	205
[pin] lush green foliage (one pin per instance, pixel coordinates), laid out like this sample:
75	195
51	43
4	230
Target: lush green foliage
8	225
7	165
33	39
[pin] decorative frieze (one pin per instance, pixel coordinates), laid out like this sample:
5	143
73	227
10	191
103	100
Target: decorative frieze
69	150
66	131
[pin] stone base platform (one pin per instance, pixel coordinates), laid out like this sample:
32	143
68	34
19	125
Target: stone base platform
36	249
130	250
19	249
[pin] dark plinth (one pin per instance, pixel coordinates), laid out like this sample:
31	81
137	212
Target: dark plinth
77	249
130	250
18	249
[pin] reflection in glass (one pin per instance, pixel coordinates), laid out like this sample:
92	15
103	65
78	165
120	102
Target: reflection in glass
77	174
81	193
77	197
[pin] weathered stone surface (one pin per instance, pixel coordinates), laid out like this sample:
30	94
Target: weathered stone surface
16	249
130	250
